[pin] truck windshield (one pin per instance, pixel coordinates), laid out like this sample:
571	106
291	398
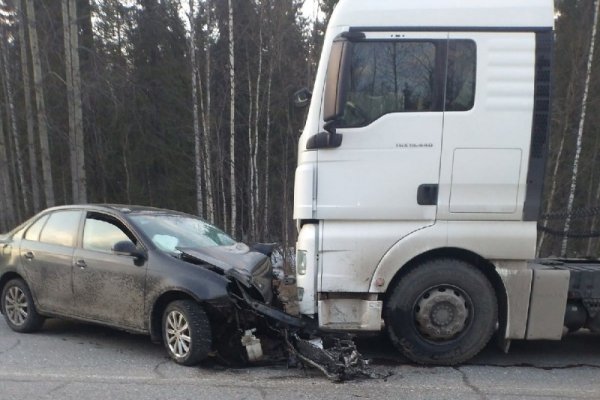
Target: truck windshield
170	231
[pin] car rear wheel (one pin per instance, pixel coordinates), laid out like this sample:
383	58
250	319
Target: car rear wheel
186	332
18	307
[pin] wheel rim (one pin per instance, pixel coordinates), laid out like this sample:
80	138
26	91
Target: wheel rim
16	306
178	334
442	313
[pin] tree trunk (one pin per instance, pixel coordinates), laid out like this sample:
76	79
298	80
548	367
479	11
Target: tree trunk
70	102
254	152
266	207
8	218
251	149
207	117
12	118
79	139
73	78
232	182
575	170
199	163
41	106
33	168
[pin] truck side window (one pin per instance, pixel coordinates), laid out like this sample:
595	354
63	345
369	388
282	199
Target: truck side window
390	77
460	84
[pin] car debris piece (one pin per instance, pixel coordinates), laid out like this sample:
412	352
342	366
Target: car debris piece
252	345
336	356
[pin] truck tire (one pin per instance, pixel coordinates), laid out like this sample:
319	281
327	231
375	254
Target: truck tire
18	307
443	312
186	332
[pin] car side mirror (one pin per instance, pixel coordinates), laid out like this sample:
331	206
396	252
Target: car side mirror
127	248
302	98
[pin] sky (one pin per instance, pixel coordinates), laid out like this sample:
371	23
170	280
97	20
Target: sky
310	8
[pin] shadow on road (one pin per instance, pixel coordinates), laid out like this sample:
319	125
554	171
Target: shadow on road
575	350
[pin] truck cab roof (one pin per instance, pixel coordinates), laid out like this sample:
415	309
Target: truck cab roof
439	14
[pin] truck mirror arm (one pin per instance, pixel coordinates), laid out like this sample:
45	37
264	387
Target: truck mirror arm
329	139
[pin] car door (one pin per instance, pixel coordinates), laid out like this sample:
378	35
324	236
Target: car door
47	257
108	287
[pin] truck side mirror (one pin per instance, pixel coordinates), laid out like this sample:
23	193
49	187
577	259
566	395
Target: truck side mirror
302	98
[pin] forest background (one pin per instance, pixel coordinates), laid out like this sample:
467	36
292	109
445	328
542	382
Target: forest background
187	104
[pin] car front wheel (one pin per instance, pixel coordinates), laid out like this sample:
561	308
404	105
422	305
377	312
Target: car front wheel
186	332
18	307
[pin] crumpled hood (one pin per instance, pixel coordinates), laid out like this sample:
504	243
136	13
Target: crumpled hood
251	268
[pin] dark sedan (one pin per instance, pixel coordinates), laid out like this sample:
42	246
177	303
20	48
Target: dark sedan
143	270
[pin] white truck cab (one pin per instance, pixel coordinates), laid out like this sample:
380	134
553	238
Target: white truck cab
420	173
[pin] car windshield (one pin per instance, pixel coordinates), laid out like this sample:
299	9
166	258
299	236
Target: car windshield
170	231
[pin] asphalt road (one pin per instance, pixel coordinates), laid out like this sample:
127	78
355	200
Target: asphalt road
75	361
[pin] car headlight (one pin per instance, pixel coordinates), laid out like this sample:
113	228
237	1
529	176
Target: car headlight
301	262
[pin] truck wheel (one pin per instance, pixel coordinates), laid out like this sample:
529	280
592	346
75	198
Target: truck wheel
186	332
18	307
443	312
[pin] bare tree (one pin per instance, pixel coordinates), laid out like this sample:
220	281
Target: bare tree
232	182
199	163
12	118
73	75
33	168
7	219
580	133
41	105
206	115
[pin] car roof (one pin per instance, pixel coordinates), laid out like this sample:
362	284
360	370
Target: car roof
123	209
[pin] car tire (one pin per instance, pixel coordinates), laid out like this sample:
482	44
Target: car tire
186	332
443	312
19	309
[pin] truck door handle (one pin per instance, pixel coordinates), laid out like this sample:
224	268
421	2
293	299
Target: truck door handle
81	264
29	255
427	195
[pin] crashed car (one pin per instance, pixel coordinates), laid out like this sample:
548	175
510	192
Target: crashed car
167	274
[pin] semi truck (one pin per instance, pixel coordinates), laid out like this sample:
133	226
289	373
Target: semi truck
420	177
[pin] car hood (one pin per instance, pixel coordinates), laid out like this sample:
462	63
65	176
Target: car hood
251	268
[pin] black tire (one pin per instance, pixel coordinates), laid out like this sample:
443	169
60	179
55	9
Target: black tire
433	290
198	331
29	320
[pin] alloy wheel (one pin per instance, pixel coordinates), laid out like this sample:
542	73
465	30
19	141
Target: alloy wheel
16	306
178	334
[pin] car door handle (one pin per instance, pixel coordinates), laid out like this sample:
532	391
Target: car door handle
81	264
29	255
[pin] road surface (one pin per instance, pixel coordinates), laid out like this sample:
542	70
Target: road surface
69	360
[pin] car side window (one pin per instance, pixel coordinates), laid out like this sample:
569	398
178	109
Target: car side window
33	233
61	228
102	232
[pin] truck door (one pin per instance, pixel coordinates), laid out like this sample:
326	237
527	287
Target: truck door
381	183
387	166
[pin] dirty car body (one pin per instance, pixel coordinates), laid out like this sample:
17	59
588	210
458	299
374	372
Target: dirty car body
122	265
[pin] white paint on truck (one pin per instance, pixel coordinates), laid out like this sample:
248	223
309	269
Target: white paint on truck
435	153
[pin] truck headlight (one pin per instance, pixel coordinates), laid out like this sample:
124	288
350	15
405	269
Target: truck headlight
301	262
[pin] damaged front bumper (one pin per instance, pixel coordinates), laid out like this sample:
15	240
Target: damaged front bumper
257	316
335	355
